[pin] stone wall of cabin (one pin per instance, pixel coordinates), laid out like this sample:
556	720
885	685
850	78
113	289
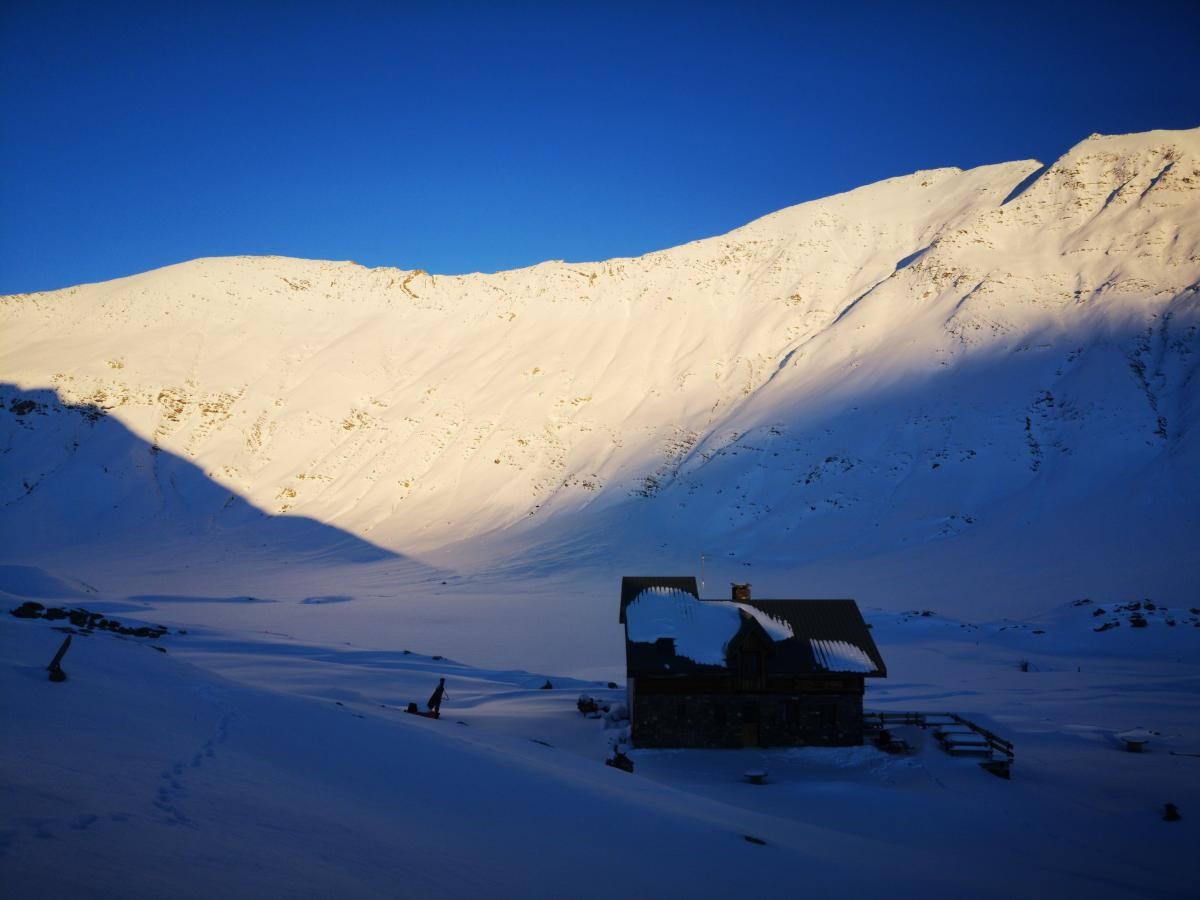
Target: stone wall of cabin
721	719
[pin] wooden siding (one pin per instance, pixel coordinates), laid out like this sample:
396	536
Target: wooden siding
714	713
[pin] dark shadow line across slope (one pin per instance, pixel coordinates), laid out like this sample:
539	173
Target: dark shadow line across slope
72	474
1024	184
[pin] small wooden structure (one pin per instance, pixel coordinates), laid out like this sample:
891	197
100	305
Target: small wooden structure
955	734
742	672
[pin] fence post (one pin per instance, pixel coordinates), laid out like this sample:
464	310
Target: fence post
55	667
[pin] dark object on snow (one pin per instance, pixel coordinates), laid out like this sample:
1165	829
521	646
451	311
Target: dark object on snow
1001	768
547	686
612	685
620	761
1171	813
432	714
888	744
751	839
435	700
755	776
1137	620
586	704
55	667
1135	741
1023	665
88	621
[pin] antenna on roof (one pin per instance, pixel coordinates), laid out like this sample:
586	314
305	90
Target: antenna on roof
701	574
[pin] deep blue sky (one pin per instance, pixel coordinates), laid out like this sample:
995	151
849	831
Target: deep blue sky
459	136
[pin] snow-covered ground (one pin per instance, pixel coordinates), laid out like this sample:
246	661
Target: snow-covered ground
972	393
256	763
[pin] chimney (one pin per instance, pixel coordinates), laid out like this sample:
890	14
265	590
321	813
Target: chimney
741	593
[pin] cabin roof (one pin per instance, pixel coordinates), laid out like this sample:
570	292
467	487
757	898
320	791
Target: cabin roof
809	637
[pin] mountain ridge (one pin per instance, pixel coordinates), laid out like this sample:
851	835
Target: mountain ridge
895	364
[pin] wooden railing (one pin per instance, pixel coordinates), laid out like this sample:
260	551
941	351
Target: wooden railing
998	744
1000	751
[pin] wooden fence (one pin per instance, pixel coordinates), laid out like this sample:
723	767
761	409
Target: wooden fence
956	734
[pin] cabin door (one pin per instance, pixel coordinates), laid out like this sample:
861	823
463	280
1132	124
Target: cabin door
750	725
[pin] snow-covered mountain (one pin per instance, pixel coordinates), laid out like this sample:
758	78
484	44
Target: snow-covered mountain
948	384
971	392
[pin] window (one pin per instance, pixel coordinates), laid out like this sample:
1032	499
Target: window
791	712
751	664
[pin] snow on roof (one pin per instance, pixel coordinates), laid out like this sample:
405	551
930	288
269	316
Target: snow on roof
840	656
701	629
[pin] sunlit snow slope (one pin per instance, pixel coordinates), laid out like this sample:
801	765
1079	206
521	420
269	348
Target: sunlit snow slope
982	374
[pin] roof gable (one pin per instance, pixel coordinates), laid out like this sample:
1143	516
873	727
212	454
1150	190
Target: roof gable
751	635
822	623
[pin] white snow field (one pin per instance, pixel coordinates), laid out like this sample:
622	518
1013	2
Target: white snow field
973	393
257	764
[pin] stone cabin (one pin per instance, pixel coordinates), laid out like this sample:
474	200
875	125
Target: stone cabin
742	672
